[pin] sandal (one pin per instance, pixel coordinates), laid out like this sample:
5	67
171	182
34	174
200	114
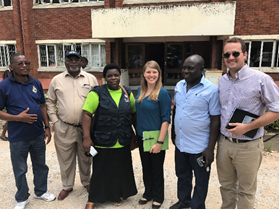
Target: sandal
4	138
157	205
89	205
117	203
143	201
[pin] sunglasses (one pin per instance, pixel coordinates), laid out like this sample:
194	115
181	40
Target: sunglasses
227	54
22	63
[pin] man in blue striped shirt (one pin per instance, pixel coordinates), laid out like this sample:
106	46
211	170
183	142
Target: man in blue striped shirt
238	156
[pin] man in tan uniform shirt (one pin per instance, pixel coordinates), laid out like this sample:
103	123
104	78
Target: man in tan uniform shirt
65	98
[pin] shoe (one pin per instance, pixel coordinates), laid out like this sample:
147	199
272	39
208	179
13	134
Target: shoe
156	206
4	138
143	201
21	205
89	205
118	202
47	196
87	188
63	194
178	206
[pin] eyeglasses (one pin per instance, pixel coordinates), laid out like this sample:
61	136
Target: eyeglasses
22	63
227	54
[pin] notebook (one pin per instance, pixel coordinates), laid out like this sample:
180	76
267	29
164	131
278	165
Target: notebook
151	137
242	116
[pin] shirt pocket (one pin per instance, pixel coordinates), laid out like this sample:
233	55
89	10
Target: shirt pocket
200	103
84	91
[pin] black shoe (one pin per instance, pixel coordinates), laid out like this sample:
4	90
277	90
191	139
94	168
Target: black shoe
178	206
143	201
156	206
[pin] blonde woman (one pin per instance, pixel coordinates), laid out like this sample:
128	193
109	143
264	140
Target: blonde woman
153	109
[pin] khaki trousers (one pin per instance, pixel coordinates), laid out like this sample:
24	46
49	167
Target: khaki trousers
68	144
237	167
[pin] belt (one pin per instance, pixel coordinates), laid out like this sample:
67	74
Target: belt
71	124
234	140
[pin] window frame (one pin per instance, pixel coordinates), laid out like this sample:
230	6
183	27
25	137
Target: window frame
274	62
7	57
3	7
73	45
70	2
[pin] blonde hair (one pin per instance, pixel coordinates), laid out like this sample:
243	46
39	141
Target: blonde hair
155	92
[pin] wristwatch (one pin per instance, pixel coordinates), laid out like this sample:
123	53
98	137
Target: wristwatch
159	142
47	127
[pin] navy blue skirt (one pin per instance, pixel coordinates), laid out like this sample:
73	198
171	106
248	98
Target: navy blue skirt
113	175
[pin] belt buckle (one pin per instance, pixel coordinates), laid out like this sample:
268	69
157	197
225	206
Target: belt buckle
233	140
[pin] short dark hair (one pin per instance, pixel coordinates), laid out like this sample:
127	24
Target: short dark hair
109	67
84	59
237	40
14	56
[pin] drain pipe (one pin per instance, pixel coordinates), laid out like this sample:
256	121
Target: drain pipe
21	25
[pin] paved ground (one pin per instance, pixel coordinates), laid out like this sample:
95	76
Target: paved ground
267	196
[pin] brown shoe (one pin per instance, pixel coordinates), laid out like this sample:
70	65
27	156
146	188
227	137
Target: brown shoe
89	205
63	194
87	188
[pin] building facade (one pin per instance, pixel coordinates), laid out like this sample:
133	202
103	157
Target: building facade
131	32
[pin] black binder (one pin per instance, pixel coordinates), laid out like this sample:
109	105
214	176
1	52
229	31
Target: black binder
242	116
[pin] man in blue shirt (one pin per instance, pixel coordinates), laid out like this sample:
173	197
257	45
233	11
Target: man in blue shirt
195	131
24	100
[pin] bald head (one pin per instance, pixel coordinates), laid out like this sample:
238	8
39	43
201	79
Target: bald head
196	59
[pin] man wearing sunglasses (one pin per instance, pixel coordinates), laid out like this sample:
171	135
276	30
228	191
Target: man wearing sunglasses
65	98
24	100
239	156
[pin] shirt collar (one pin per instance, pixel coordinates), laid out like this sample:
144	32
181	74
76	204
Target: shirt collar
66	73
29	78
202	81
242	73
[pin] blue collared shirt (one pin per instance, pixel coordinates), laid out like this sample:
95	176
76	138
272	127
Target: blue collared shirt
192	116
16	97
252	91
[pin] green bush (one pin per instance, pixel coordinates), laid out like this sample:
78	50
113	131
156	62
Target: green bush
274	125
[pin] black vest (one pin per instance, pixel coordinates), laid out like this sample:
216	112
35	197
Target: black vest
112	122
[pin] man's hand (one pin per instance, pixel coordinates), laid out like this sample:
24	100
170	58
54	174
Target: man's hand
156	148
47	135
209	156
239	128
27	118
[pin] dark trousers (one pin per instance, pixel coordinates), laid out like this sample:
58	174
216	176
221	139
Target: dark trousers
153	173
19	153
185	164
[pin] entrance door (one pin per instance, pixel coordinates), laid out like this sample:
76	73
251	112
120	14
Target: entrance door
156	52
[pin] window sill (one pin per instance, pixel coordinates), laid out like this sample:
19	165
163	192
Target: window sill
62	69
67	5
155	1
6	8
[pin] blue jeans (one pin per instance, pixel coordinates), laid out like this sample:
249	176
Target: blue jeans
185	164
19	153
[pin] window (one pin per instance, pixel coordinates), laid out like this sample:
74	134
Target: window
52	55
6	51
63	1
5	3
262	53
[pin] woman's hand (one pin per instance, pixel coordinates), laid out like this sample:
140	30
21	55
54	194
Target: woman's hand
156	148
87	143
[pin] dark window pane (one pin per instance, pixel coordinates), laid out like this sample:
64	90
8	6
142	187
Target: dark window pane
7	2
267	54
51	56
255	54
135	55
174	56
43	55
